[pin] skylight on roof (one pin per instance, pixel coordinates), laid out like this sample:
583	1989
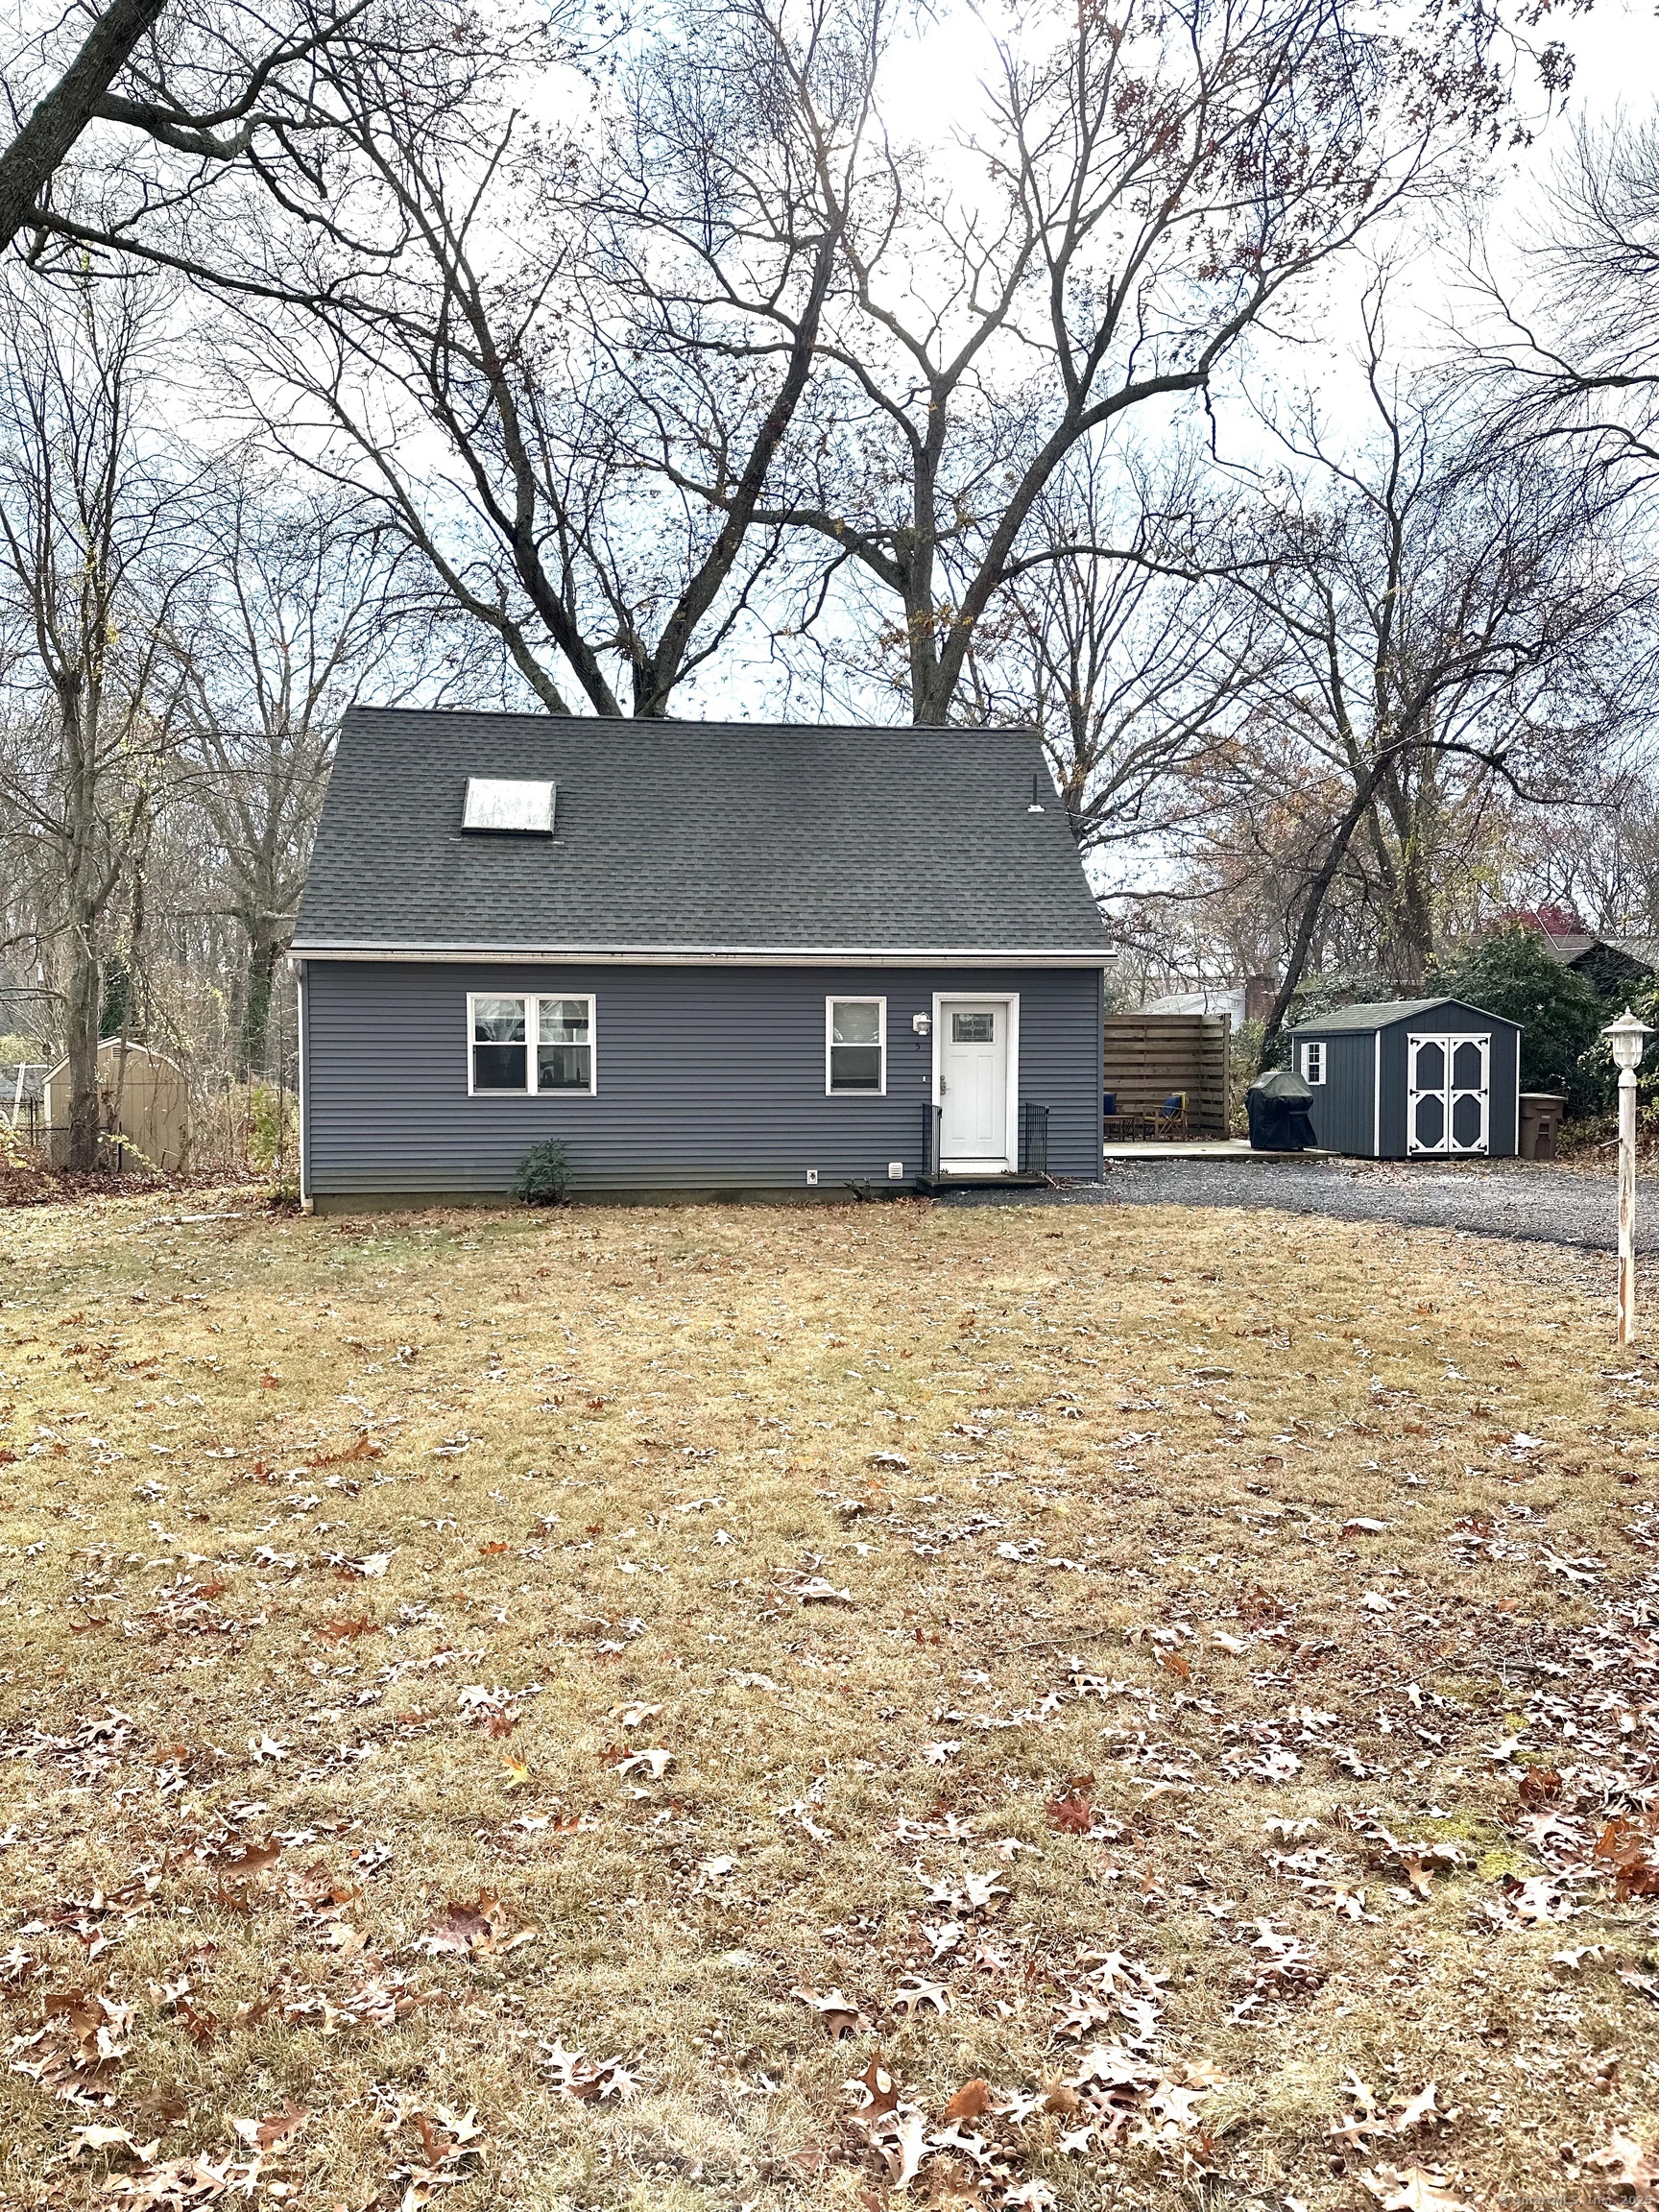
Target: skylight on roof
508	803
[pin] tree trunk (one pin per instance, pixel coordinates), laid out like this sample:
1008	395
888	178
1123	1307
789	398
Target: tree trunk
82	1022
1314	900
263	953
29	162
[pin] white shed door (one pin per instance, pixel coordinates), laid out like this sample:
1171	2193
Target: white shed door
974	1083
1448	1095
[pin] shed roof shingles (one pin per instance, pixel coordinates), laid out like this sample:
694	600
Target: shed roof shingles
1382	1014
675	836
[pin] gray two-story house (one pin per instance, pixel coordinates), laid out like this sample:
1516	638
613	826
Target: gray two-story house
734	958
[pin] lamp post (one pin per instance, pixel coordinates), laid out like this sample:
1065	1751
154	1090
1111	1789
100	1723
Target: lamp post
1625	1039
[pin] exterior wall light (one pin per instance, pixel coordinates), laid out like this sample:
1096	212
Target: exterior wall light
922	1024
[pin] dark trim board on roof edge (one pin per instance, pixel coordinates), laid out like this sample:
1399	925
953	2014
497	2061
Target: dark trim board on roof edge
712	957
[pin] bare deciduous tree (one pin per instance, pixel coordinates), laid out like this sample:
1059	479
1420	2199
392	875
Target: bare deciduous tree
1138	682
534	354
1447	609
1571	347
205	79
91	514
292	607
1144	187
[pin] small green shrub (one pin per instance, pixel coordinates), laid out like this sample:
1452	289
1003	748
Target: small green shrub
543	1175
273	1127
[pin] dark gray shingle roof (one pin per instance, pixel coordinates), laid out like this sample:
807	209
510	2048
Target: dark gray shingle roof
695	836
1382	1015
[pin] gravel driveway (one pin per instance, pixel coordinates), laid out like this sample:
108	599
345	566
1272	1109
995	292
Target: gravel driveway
1496	1198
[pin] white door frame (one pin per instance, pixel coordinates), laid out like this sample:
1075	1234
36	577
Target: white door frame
1448	1093
1011	1127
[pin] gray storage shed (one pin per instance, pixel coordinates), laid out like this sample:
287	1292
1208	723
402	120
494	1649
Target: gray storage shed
1412	1079
716	957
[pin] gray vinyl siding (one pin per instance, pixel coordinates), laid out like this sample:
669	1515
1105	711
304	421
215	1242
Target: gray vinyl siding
709	1078
1391	1117
1342	1108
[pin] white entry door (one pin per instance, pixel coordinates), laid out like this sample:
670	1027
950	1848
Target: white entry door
974	1083
1449	1097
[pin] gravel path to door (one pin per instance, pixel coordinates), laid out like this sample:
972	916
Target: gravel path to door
1496	1198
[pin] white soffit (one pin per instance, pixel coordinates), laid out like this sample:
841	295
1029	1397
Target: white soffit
508	803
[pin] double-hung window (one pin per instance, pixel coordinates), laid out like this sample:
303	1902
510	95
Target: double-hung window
1313	1063
530	1044
856	1045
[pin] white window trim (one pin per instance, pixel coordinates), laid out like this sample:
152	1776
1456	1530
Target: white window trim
1011	1000
1313	1055
852	999
532	1030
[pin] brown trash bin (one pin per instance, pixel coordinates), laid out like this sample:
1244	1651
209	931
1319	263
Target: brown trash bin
1541	1113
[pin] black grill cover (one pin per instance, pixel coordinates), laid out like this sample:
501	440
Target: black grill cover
1278	1105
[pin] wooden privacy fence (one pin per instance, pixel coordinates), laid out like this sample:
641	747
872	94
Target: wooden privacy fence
1149	1055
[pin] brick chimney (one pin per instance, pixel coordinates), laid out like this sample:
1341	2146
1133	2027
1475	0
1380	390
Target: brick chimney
1260	993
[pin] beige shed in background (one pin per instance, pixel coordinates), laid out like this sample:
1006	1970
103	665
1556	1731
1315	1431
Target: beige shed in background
142	1099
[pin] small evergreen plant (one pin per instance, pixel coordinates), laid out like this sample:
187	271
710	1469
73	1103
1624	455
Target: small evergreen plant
543	1175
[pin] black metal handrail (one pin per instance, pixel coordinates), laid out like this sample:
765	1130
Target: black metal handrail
1033	1138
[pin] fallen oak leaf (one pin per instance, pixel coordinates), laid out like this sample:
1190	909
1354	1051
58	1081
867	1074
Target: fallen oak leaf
337	1631
99	2025
1413	2189
253	1862
881	2096
476	1930
1070	1811
656	1761
1627	2165
973	2100
1419	2108
837	2011
817	1591
266	2134
907	2148
107	2139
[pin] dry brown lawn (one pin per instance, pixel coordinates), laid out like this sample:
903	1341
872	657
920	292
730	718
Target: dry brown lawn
868	1707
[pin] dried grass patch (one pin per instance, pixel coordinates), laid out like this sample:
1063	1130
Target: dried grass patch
706	1707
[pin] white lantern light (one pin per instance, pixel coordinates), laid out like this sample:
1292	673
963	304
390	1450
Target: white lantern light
1626	1039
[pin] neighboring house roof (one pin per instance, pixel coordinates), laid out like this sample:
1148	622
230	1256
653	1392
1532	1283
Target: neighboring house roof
1385	1014
1640	951
1220	1000
685	840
